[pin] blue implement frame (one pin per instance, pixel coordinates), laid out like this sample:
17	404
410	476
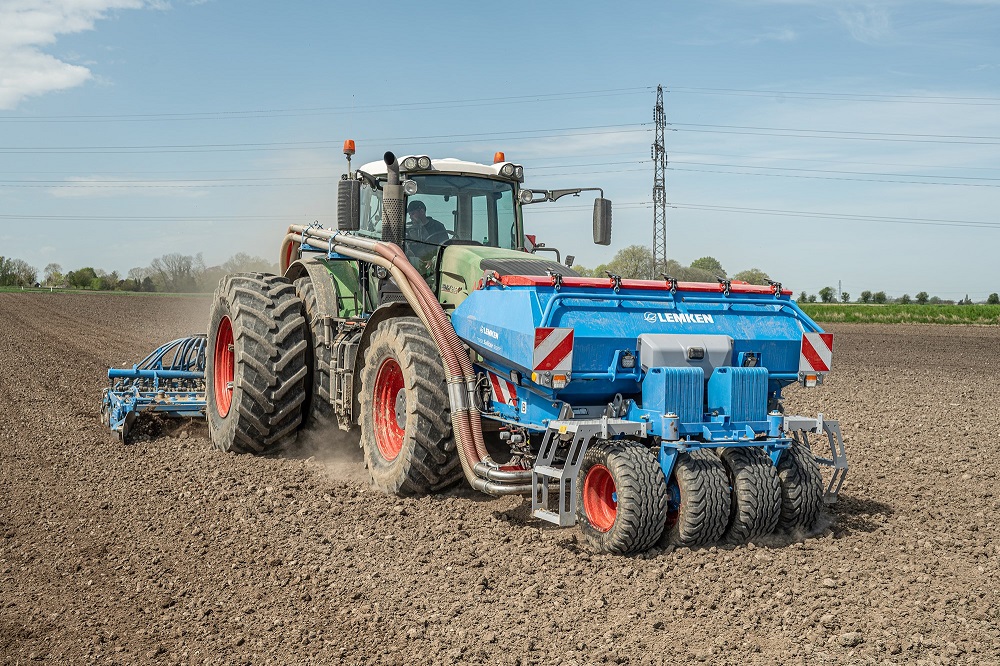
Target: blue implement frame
169	382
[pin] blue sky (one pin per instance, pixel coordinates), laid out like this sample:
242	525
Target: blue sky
820	141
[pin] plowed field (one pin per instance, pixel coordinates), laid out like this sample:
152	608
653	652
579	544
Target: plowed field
164	551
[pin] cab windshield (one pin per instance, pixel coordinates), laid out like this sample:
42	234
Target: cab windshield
476	211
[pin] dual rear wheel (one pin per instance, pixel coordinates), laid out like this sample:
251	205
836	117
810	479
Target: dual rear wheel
624	504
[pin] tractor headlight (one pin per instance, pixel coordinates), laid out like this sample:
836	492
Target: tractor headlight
526	196
409	187
409	164
423	162
519	173
507	170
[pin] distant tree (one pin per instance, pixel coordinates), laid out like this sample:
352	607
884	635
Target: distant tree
935	300
582	271
241	262
52	275
922	298
710	264
175	272
753	276
148	285
803	297
879	297
812	298
845	297
634	261
82	278
17	273
826	294
993	299
904	299
866	297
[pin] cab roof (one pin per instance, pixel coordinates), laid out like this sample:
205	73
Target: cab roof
444	165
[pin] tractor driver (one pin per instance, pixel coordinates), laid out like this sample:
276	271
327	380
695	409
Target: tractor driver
423	236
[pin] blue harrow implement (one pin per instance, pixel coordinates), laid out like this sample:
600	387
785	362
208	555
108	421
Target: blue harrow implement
169	382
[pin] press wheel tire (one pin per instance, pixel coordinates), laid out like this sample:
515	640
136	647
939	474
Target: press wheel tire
699	500
801	490
621	502
317	408
756	494
255	364
405	415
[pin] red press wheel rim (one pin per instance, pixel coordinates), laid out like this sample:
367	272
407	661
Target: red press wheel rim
600	500
390	409
225	367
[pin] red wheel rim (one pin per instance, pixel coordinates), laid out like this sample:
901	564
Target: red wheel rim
390	409
224	358
600	500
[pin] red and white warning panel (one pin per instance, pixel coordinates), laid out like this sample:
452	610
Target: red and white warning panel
553	350
815	357
503	390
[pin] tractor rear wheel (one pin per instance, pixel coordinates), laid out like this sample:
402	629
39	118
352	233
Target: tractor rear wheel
255	364
699	500
756	494
405	414
801	490
621	501
317	405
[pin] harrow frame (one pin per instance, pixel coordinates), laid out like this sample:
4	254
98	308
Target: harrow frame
169	382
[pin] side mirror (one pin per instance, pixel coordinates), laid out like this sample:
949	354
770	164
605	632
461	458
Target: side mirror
349	205
602	221
569	260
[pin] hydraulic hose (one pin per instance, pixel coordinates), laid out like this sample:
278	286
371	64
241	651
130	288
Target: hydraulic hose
459	371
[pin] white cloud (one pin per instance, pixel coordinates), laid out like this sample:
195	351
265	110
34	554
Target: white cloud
866	24
775	35
28	25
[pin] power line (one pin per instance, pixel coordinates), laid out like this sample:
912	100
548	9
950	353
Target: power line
856	180
853	97
854	173
512	135
837	216
837	132
841	138
830	161
333	110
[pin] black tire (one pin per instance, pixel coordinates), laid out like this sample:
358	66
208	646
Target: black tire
261	317
700	504
317	408
756	494
405	414
621	497
801	490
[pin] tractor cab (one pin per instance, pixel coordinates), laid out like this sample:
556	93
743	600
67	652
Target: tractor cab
458	219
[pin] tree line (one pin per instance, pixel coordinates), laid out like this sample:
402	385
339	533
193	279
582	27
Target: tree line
171	273
637	262
829	295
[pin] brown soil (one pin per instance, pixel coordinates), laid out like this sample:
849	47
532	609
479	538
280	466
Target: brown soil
164	551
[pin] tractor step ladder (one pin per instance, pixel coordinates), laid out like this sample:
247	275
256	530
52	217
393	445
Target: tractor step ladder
569	439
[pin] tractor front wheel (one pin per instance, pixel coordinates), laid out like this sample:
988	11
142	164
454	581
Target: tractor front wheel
621	501
405	414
